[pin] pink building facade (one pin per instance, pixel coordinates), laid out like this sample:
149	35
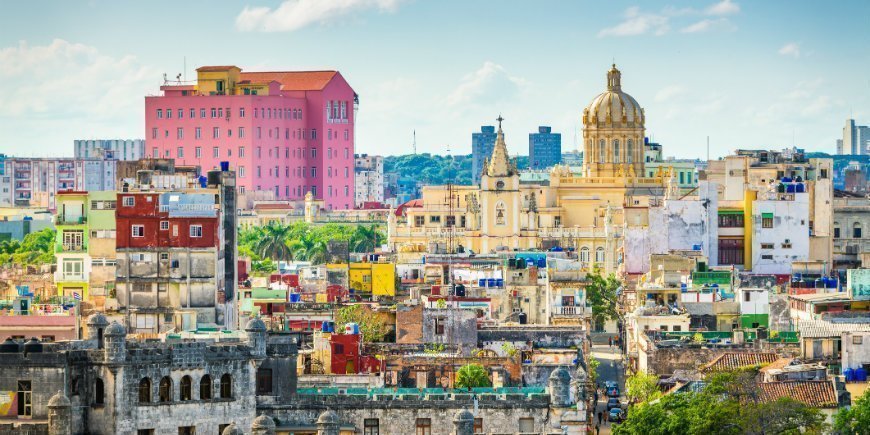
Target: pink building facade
285	132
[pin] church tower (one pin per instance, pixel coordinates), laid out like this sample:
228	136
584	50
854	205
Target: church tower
613	133
500	198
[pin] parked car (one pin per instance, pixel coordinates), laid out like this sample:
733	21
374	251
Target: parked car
616	415
612	391
613	403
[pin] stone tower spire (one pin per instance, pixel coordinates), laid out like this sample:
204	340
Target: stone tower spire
613	79
500	164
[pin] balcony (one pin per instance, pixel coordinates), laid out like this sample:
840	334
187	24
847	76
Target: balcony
571	311
60	276
73	247
70	220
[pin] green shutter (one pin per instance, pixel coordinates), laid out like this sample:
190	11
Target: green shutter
723	212
767	215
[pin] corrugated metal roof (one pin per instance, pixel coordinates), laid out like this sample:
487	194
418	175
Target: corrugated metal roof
822	329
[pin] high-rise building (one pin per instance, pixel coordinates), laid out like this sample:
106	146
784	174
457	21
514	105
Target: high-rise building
286	132
369	173
35	182
545	148
481	148
119	149
856	139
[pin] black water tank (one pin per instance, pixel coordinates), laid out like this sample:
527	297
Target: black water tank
523	318
214	178
512	263
9	346
33	346
460	290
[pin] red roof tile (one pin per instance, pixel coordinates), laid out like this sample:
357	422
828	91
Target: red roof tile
819	394
736	360
293	80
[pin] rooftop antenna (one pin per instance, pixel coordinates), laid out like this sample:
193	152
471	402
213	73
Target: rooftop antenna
184	70
415	143
708	148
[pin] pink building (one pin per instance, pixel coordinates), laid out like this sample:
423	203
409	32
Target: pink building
286	132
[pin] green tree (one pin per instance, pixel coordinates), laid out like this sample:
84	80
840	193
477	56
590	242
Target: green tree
273	242
601	296
366	238
593	369
310	249
372	326
472	376
855	419
642	387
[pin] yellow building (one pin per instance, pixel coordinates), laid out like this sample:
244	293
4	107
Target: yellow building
379	279
585	210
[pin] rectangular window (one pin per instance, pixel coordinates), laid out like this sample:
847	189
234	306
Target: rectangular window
215	152
435	219
197	133
138	230
241	112
264	381
202	112
192	113
216	133
164	225
313	152
371	426
128	201
241	172
767	246
180	113
767	257
478	425
346	135
241	132
767	220
424	426
313	133
198	152
259	132
313	172
168	113
154	133
419	221
730	252
180	153
439	326
196	231
527	425
731	220
159	113
213	112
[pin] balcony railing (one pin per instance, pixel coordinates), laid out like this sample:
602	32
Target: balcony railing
73	247
61	276
570	311
69	220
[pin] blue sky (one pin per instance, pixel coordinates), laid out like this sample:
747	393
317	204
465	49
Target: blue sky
748	74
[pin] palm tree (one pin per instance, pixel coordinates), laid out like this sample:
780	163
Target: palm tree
310	249
472	376
273	242
365	238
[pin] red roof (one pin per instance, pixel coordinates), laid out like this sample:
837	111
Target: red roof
410	204
818	394
293	80
273	207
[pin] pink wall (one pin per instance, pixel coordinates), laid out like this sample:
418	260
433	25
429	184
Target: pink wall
284	163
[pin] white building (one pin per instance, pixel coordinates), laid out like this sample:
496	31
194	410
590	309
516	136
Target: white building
780	232
34	182
119	149
369	173
856	139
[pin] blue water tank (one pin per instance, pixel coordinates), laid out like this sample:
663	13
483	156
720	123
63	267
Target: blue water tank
481	282
542	262
203	182
849	374
860	374
786	179
800	188
499	282
295	298
225	166
325	326
490	282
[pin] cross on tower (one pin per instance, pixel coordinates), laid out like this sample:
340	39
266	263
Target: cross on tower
499	119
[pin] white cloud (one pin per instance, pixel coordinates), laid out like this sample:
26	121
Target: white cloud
791	49
638	23
706	25
64	90
491	82
669	93
724	7
295	14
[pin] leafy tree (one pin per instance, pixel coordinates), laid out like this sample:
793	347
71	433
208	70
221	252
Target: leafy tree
472	376
273	242
855	419
366	238
593	369
372	326
310	249
36	248
601	295
642	387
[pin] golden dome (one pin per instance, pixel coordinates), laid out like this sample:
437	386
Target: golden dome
613	108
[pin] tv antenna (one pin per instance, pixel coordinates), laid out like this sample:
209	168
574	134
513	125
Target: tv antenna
415	143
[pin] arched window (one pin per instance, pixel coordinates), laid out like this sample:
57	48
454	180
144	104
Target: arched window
629	151
584	254
856	230
499	214
145	390
186	388
602	151
226	386
165	392
599	255
616	151
99	392
205	388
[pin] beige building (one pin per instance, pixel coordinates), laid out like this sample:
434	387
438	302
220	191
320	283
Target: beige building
585	210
